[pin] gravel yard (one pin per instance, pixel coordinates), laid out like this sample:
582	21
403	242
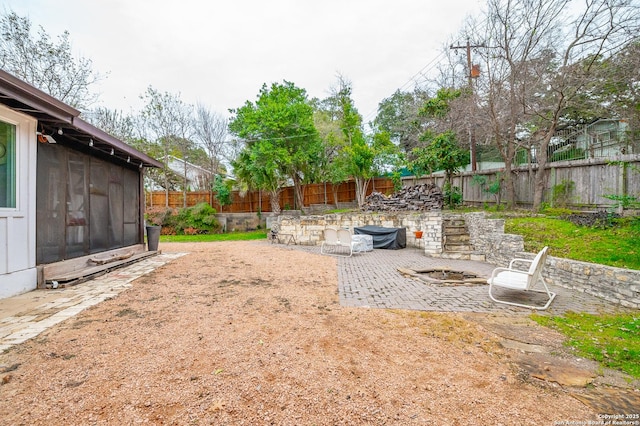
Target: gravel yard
245	333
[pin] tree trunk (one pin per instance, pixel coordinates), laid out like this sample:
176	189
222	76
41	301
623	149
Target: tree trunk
166	178
274	198
361	190
297	192
540	181
184	189
509	186
166	187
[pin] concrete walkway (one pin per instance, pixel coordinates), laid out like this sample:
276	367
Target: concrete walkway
367	280
25	316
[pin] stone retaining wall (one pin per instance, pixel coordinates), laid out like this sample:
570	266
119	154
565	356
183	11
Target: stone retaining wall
309	230
617	285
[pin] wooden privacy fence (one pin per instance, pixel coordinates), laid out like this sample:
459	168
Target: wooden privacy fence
592	180
258	201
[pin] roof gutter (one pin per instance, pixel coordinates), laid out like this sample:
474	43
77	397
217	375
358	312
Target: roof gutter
29	95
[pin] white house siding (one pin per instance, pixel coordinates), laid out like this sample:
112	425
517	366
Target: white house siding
18	225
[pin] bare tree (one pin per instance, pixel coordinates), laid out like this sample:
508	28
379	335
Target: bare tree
602	28
211	131
539	56
114	122
168	121
517	32
45	64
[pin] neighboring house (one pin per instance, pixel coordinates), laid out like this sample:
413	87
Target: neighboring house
198	178
600	139
68	190
603	138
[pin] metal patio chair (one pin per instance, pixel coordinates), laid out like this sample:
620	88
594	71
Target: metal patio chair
522	280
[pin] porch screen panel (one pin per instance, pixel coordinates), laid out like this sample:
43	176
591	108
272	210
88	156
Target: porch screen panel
51	186
77	222
84	205
116	207
99	198
131	207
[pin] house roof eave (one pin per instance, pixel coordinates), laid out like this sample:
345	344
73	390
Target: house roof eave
37	100
53	114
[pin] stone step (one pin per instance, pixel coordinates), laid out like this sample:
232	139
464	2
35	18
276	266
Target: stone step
457	231
457	238
457	247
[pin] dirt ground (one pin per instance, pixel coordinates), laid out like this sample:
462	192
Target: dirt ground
252	334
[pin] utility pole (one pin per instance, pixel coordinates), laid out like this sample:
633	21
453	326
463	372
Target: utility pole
474	72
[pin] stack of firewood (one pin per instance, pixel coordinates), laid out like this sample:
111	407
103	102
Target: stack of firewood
426	196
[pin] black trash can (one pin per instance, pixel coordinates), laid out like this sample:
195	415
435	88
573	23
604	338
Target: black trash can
153	237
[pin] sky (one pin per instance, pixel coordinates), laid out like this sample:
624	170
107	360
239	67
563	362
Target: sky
220	53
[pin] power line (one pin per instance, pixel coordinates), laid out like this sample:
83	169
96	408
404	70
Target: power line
430	65
473	73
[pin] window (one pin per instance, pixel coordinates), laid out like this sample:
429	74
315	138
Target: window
7	165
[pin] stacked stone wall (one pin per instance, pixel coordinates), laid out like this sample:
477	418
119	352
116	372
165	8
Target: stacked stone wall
309	230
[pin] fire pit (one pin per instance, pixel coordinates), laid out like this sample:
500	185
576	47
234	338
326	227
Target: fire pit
444	276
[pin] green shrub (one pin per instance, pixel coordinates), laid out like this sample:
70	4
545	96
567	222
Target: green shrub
452	196
200	219
494	187
223	191
159	216
624	201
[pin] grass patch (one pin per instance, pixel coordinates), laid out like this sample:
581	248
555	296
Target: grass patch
614	246
260	234
612	340
335	211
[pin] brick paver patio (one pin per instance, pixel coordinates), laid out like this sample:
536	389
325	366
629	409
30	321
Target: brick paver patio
372	280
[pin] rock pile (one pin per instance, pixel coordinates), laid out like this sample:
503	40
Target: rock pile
426	196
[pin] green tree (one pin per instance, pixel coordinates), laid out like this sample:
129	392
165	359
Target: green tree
223	192
398	116
442	152
355	154
281	120
440	149
256	167
438	107
331	168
